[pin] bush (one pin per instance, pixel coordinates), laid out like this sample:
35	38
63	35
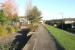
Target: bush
11	29
33	26
5	46
3	31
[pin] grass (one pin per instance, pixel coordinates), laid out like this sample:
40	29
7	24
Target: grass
4	46
64	38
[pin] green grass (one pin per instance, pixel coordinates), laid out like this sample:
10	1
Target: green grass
64	38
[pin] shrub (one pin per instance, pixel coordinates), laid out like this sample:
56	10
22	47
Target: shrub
3	31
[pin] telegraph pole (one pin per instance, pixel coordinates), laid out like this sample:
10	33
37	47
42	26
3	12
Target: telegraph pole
28	7
62	19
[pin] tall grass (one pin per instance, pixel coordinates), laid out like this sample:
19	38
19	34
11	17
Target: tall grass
5	46
5	30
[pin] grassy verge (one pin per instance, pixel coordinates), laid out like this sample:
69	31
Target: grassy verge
64	38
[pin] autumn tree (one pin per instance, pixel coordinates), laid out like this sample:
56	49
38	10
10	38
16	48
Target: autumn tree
10	9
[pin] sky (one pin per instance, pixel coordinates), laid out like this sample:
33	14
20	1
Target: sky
50	9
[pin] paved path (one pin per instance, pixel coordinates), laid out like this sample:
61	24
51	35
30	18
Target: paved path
40	40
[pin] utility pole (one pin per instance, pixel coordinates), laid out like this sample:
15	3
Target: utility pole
62	19
28	7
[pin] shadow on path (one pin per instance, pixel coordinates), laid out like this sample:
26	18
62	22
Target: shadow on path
20	40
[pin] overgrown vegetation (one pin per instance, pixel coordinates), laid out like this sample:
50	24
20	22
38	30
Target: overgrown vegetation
6	25
5	46
64	38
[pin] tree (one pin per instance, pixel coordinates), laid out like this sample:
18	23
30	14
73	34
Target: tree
3	19
34	15
10	9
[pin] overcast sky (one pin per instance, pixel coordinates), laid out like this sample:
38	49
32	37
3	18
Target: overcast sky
51	9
